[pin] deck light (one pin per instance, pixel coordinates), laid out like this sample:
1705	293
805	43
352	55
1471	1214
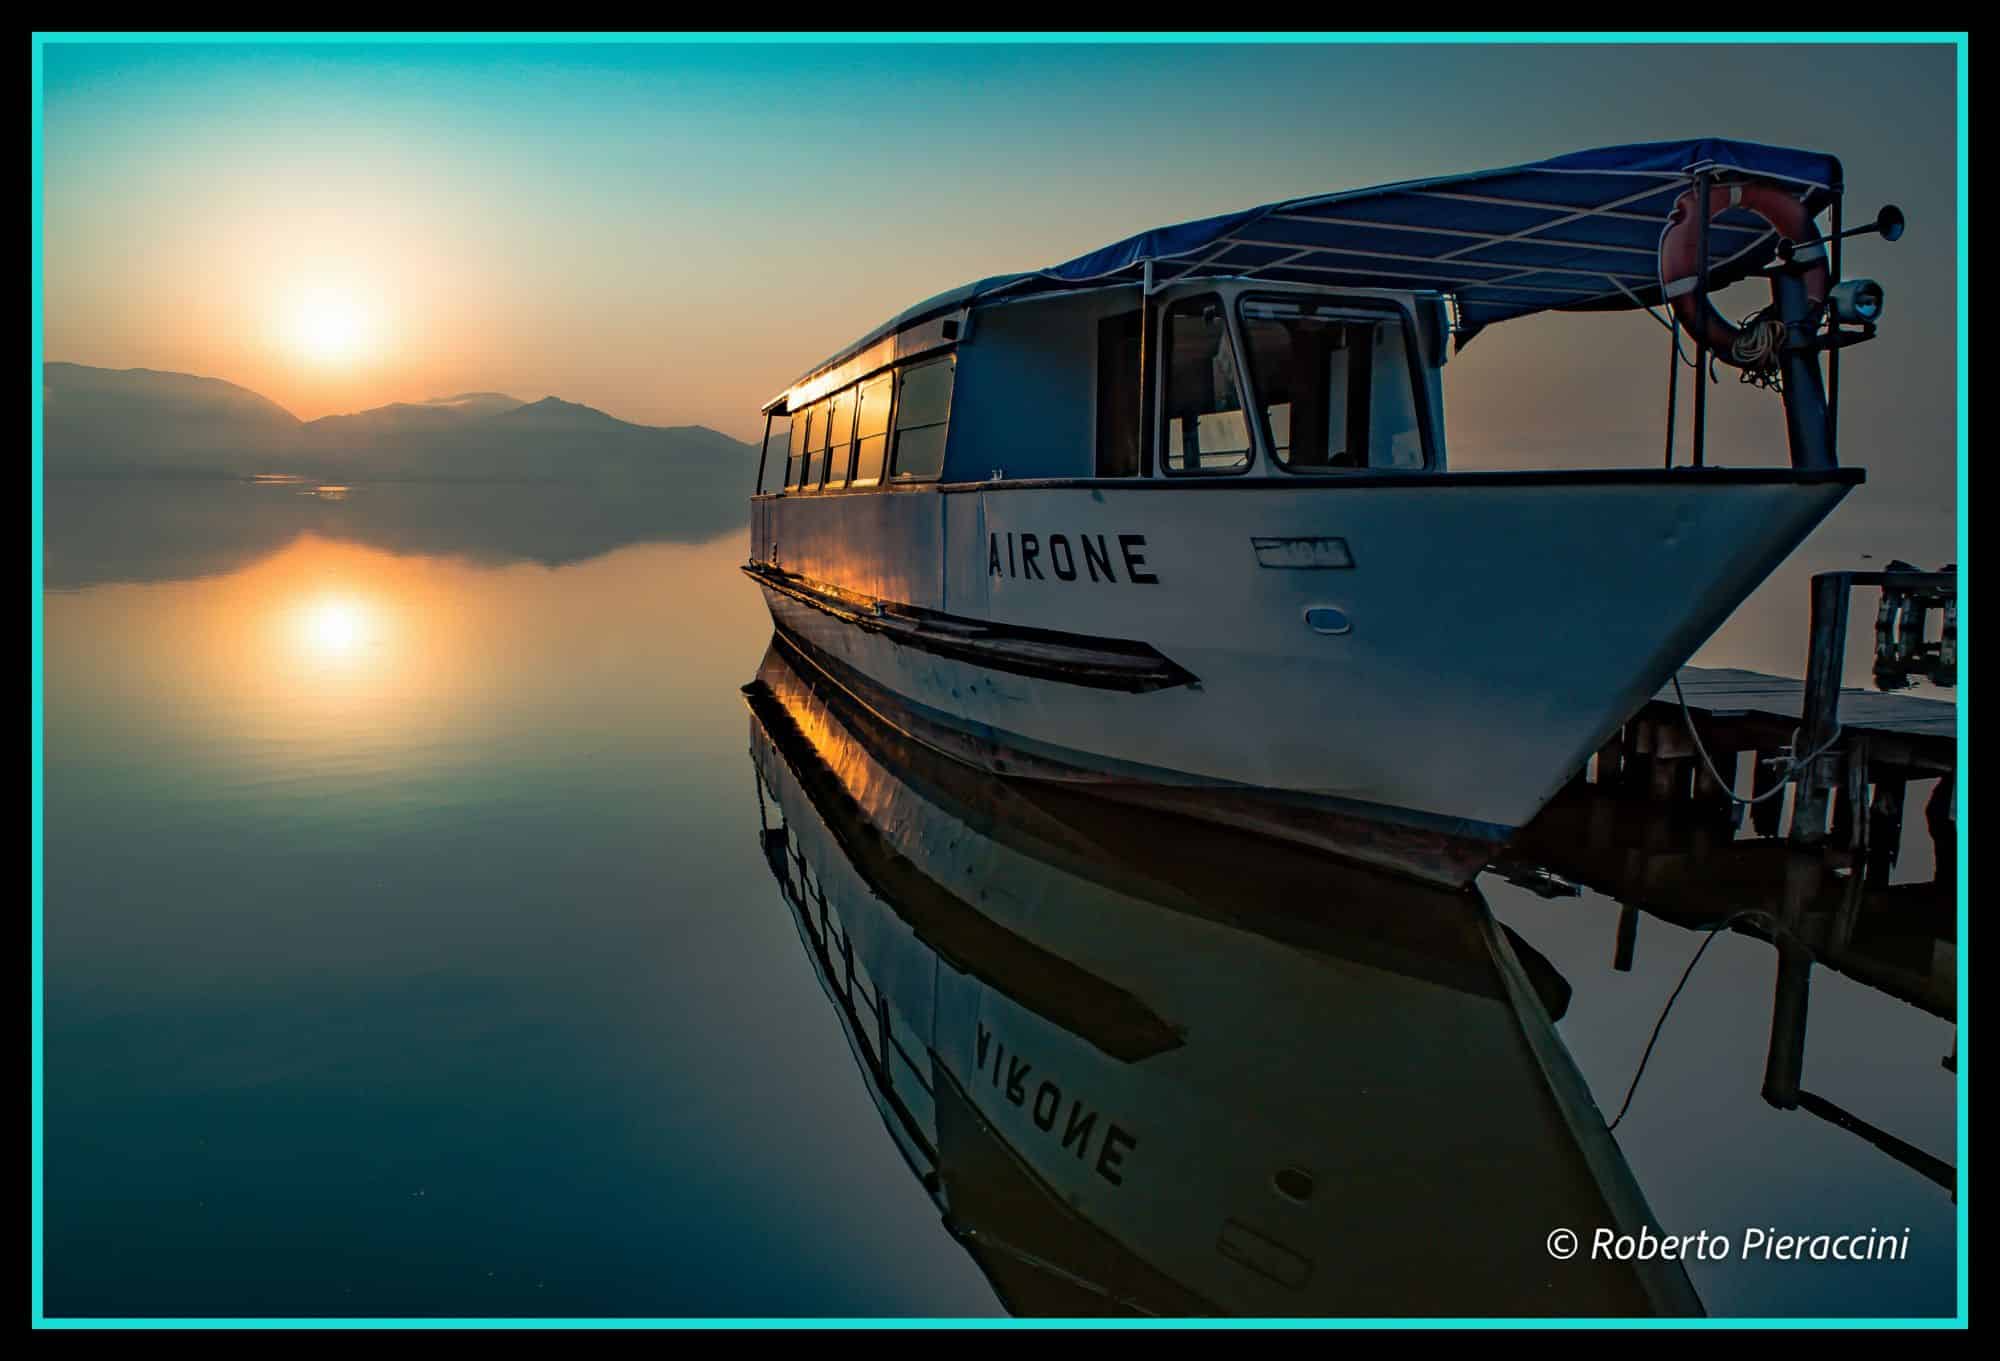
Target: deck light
1857	300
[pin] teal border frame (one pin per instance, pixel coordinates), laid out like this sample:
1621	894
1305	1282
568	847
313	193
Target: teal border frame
1433	39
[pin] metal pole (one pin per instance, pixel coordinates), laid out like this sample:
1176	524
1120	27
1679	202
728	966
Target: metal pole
1701	186
764	450
1821	716
1673	379
1807	430
1833	356
1145	373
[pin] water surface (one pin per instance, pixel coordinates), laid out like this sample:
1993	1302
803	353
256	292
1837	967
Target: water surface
412	947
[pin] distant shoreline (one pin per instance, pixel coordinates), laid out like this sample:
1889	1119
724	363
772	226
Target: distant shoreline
87	475
102	425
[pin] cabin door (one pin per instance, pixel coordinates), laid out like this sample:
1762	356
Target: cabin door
1118	404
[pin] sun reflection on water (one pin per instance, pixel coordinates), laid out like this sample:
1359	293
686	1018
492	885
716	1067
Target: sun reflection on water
330	655
337	628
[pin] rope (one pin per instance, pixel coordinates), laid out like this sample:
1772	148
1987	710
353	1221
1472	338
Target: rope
1665	324
1658	1025
1758	345
1756	353
1788	766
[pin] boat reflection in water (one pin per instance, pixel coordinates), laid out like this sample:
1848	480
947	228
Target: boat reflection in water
1149	1066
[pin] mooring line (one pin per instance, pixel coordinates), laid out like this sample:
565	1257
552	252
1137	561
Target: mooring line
1660	1024
1791	765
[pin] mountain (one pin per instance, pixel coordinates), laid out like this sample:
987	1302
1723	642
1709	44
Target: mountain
97	421
553	413
394	421
137	422
486	403
401	418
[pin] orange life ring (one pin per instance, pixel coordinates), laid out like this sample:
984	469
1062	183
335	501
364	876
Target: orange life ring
1680	249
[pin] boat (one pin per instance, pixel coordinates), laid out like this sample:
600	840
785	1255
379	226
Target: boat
1142	1071
1175	519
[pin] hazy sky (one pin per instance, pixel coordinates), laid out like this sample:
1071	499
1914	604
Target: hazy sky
672	232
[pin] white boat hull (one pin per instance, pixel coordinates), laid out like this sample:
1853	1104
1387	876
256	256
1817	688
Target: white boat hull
1496	629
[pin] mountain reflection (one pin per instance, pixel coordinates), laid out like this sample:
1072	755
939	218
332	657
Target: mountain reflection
97	532
1146	1066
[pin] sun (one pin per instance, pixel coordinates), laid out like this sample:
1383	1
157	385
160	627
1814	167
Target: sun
329	326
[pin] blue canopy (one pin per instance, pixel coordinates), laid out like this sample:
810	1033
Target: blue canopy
1580	231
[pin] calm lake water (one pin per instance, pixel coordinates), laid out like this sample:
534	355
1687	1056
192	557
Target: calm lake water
434	927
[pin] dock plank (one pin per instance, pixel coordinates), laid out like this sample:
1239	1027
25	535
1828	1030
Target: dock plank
1727	692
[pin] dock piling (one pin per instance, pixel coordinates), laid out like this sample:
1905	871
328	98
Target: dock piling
1767	813
1611	758
1940	817
1712	794
1819	719
1628	937
1785	1062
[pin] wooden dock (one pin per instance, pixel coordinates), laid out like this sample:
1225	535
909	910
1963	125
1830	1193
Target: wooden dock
1928	727
1855	750
1645	824
1745	718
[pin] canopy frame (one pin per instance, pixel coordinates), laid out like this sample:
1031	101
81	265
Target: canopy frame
1590	253
1579	232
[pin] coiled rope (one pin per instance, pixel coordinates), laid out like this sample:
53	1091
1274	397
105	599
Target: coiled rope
1758	345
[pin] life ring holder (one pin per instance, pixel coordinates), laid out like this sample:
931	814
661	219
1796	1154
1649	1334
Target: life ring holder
1755	346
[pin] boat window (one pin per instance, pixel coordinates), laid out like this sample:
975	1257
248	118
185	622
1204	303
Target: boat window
1118	395
923	410
840	434
871	429
777	437
1333	387
795	460
816	447
1207	430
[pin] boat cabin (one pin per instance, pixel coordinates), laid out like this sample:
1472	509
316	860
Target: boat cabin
1253	377
1305	338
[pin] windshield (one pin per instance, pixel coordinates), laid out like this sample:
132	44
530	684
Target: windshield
1332	385
1206	428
